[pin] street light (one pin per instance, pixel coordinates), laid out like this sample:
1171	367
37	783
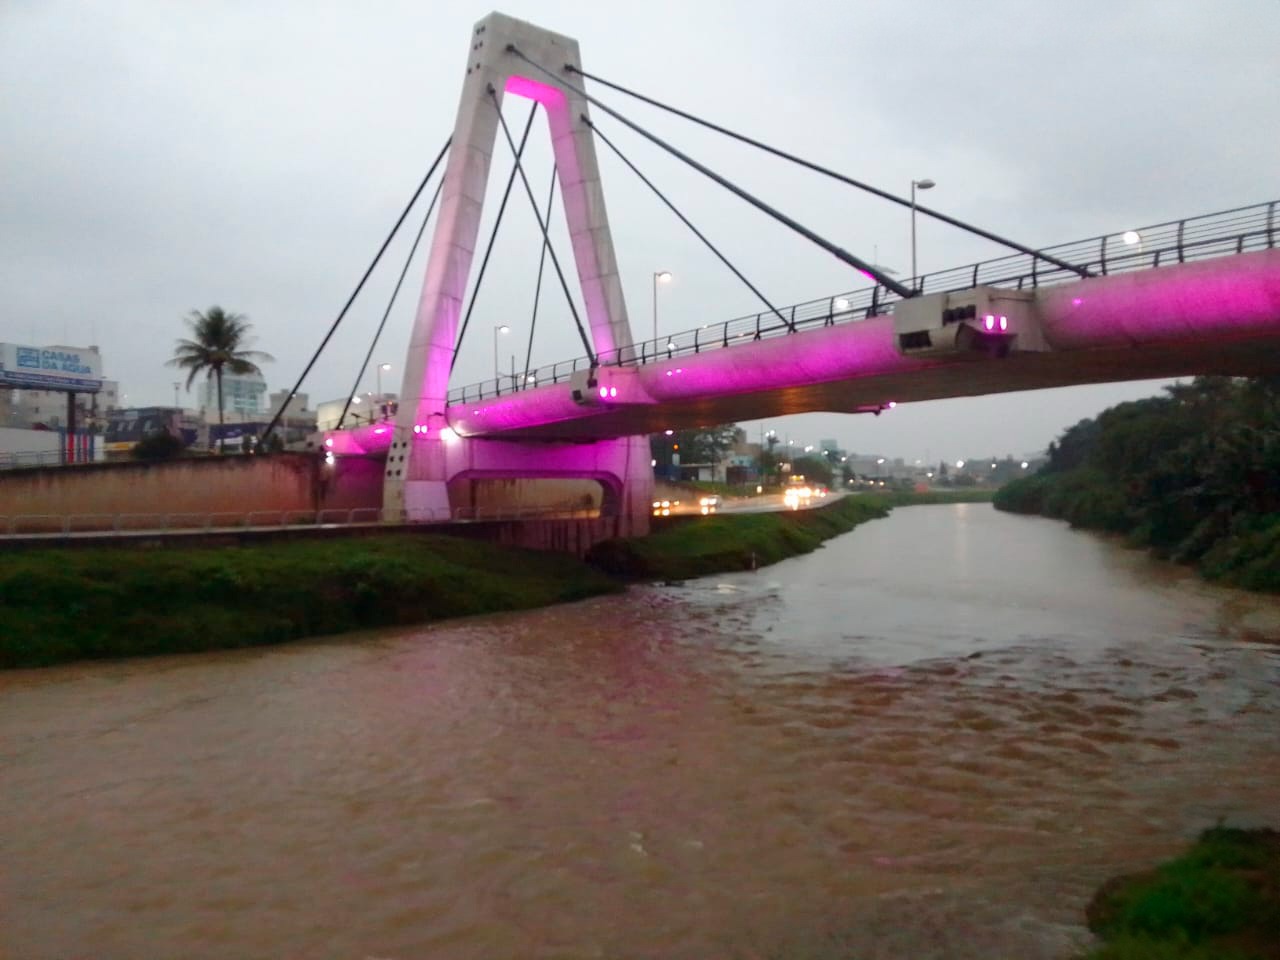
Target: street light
925	184
662	276
503	329
382	368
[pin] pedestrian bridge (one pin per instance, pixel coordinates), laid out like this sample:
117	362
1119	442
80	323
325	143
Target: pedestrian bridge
1188	297
1195	295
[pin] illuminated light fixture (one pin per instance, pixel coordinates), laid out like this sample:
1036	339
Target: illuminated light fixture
670	373
989	322
1131	237
959	464
329	442
475	413
653	463
679	369
892	404
448	434
604	392
670	432
329	458
379	430
613	392
671	345
1025	464
842	303
417	428
355	399
1004	324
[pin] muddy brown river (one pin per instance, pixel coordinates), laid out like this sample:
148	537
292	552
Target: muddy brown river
932	738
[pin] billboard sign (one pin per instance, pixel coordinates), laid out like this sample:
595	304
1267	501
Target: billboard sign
50	368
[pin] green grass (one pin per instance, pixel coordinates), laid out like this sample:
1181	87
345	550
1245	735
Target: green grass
62	605
1220	900
725	542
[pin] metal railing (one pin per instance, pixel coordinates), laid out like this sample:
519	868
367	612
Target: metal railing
32	458
62	525
1225	233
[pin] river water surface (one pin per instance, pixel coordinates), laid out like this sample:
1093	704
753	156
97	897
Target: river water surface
932	738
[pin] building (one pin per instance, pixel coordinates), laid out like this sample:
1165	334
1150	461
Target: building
241	394
48	408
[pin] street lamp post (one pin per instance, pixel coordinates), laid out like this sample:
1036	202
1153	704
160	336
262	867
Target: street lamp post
662	276
501	328
382	368
925	184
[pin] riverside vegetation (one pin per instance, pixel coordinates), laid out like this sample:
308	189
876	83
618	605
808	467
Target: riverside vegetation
1193	475
72	604
1218	901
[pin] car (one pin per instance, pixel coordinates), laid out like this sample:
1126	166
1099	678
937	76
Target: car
709	504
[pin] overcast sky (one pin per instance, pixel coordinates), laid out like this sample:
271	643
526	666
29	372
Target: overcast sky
160	157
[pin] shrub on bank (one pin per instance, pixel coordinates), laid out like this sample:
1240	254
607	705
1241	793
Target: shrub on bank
1220	900
1194	476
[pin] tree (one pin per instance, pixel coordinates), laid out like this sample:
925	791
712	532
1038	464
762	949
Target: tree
695	446
161	445
813	469
218	344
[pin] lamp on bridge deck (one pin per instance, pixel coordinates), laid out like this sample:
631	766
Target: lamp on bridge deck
925	184
662	276
500	328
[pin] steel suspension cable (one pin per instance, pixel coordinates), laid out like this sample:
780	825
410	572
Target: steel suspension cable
354	293
555	261
537	290
346	406
836	251
827	171
493	236
685	220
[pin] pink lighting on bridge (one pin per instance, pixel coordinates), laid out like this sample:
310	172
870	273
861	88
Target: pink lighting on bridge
604	393
545	95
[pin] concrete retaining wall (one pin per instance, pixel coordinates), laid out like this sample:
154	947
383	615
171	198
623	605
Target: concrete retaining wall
231	484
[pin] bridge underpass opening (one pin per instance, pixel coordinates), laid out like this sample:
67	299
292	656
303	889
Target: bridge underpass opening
480	497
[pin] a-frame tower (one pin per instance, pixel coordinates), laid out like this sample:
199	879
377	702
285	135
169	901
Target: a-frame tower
421	461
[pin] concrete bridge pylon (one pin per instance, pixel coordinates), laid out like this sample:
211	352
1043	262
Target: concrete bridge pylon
425	452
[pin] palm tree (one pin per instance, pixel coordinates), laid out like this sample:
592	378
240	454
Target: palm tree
219	339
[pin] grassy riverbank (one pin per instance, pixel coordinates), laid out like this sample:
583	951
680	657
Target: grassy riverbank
62	605
729	541
1218	901
1193	476
745	541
